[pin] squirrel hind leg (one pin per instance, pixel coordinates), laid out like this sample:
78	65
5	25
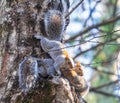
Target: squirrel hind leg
59	64
57	69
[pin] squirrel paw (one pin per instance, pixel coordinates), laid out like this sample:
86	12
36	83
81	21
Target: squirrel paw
38	36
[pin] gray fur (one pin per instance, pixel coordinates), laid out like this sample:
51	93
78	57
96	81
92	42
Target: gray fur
54	26
55	50
28	73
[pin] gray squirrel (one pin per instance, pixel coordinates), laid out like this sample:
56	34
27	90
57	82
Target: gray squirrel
60	62
57	52
64	64
46	68
54	21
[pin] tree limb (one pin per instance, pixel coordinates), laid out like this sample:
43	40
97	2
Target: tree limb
104	85
104	93
94	47
94	26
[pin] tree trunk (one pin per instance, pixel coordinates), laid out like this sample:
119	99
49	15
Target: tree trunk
21	19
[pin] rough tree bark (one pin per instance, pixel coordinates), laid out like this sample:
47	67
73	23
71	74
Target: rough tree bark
21	19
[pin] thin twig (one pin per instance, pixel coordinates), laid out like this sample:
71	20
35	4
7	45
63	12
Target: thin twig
101	43
105	93
104	85
73	9
114	11
103	71
94	47
91	12
94	26
118	73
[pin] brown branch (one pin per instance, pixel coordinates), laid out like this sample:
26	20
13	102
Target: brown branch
94	89
100	44
73	9
115	8
114	12
91	12
90	40
104	85
103	71
88	50
94	26
105	93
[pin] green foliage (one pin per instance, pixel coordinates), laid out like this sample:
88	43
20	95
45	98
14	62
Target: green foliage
97	98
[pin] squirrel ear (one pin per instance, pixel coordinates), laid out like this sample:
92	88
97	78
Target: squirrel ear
78	65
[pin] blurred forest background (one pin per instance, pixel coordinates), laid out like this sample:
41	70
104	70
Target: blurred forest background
93	38
94	33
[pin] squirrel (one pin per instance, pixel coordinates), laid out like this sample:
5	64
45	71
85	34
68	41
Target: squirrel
74	75
31	68
64	64
79	69
80	84
45	67
57	52
55	21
